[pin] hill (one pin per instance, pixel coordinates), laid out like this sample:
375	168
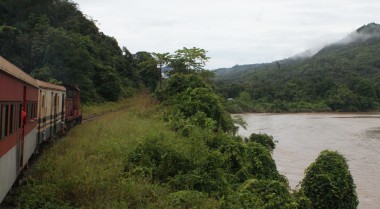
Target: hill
343	76
54	41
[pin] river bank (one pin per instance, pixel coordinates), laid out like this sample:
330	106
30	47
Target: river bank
302	136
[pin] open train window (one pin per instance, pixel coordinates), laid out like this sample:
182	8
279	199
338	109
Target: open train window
19	117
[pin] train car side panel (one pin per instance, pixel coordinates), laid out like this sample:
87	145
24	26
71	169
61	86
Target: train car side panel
8	171
51	111
18	100
30	145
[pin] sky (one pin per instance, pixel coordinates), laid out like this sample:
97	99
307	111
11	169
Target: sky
232	31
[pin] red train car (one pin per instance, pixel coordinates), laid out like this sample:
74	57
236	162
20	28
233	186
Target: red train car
31	112
18	122
73	113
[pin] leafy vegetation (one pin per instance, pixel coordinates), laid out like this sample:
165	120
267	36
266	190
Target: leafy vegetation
328	182
263	139
344	76
181	153
54	41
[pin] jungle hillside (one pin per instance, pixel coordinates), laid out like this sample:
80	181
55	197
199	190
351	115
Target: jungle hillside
342	76
54	41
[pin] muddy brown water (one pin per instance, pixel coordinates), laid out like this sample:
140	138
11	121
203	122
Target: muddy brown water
301	137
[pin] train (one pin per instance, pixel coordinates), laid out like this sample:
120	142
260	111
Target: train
31	113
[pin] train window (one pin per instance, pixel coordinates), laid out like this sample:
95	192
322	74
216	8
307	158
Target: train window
27	110
11	119
4	121
34	110
19	117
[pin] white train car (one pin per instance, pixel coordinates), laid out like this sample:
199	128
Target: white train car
51	110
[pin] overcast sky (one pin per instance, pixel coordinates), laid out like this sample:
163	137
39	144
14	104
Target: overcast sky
232	31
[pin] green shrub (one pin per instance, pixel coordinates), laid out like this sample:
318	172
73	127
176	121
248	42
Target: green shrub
158	159
328	182
42	196
263	139
256	193
179	83
191	199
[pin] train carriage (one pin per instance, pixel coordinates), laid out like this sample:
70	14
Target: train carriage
73	114
18	122
51	110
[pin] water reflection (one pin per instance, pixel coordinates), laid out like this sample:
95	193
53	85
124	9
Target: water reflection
302	137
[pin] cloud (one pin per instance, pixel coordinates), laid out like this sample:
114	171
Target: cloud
233	31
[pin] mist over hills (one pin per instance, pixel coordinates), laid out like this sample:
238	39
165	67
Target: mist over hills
343	76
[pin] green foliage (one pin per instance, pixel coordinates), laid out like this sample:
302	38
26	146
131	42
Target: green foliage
54	41
159	160
328	182
188	60
192	99
260	163
146	66
108	83
237	119
35	196
340	77
263	139
179	83
265	194
191	199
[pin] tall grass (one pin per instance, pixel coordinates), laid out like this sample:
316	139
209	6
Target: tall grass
85	169
96	109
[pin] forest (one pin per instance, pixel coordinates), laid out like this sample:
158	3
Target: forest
54	41
343	76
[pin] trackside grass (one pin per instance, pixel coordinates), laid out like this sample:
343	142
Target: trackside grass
85	169
133	158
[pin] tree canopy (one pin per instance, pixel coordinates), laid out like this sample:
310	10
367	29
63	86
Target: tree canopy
340	77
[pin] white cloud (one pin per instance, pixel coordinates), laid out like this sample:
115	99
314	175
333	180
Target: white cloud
233	31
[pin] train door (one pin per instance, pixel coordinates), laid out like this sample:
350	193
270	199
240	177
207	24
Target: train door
63	108
55	112
20	139
42	115
51	114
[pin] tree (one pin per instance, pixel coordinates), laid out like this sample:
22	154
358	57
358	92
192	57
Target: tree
162	59
328	182
146	66
188	60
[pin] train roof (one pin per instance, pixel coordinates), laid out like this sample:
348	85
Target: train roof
46	85
16	72
72	87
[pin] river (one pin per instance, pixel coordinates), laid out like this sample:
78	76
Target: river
302	136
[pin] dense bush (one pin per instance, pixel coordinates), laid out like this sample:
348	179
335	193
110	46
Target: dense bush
265	194
328	182
193	102
263	139
191	199
179	83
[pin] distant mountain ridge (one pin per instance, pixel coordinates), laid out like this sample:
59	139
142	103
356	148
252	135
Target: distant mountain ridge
362	34
347	70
